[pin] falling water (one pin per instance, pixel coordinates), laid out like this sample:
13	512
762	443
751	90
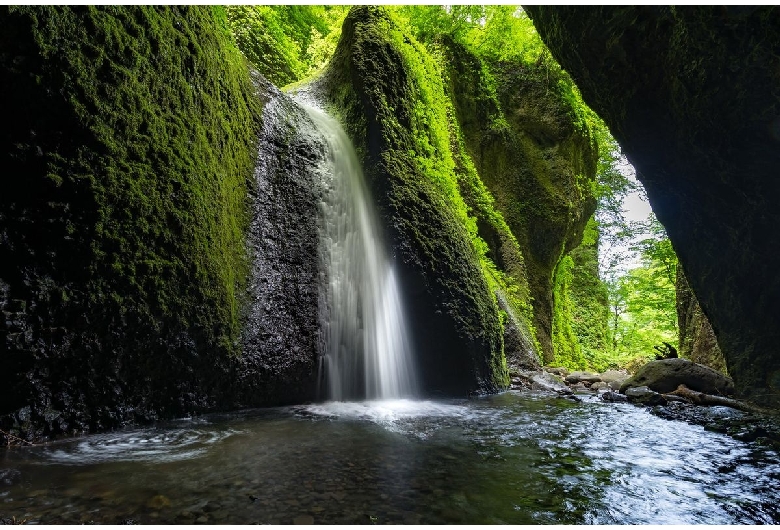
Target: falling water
367	353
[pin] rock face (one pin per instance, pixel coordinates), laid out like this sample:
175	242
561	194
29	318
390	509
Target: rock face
666	375
392	105
522	137
690	94
127	147
281	330
697	338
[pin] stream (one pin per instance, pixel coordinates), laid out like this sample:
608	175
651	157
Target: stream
516	457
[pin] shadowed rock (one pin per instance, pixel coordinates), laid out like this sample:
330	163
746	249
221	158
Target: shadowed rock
666	375
691	95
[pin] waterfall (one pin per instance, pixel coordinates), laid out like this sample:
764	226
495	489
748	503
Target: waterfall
366	348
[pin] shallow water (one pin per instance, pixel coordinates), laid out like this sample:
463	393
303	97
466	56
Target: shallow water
510	458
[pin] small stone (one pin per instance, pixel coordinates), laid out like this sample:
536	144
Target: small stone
613	397
202	519
645	396
158	502
304	519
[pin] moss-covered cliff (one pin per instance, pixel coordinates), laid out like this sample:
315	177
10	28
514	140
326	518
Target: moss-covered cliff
388	92
691	95
127	147
535	153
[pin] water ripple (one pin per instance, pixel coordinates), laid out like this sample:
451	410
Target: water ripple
150	445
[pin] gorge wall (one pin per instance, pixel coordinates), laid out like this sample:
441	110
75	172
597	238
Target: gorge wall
697	338
127	146
158	225
691	95
538	158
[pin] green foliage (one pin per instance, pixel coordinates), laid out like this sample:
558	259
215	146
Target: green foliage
286	43
643	300
387	89
566	346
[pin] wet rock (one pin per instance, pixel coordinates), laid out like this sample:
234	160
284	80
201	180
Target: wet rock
600	385
541	381
557	370
667	374
611	376
9	476
613	397
202	519
158	501
645	396
304	519
582	377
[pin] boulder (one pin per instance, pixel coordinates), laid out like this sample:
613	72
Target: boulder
667	374
582	377
557	370
540	381
613	397
614	375
599	385
645	396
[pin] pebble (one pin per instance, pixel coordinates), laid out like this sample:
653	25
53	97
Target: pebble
202	519
158	501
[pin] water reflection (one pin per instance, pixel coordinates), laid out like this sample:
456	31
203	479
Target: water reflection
512	458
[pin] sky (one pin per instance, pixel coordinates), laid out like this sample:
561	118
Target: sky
635	208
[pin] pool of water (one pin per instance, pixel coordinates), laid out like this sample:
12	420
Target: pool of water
511	458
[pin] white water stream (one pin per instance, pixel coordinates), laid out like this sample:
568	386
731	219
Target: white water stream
367	353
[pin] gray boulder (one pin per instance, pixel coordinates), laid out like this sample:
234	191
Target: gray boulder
583	377
557	370
667	374
539	381
613	397
645	396
611	376
599	385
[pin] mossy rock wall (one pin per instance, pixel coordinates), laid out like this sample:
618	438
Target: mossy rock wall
697	338
127	147
590	301
281	329
538	163
691	95
388	94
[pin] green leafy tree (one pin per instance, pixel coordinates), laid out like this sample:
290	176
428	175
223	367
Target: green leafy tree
642	300
286	43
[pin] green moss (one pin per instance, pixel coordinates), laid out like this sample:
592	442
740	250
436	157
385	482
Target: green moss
128	152
566	346
590	305
388	90
530	139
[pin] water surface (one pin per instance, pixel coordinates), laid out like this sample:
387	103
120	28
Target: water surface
511	458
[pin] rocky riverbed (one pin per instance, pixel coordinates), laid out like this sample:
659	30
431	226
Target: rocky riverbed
651	386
